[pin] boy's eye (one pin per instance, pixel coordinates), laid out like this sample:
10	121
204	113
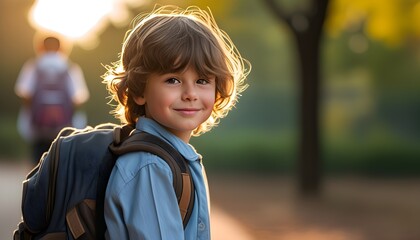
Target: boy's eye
203	81
172	81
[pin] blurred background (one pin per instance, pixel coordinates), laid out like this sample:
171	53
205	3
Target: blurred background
333	104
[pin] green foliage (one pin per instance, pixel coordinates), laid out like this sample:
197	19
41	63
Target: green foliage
390	22
261	151
380	153
12	146
250	150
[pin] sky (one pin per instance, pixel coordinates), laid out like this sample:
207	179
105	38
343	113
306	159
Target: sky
80	21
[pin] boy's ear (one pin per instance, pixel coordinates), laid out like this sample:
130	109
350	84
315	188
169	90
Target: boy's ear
140	100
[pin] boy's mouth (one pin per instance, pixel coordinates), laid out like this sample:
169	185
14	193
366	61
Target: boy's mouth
187	111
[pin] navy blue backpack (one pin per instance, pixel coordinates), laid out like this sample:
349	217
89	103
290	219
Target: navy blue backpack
63	196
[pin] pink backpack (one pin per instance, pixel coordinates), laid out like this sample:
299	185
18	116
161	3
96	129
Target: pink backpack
51	106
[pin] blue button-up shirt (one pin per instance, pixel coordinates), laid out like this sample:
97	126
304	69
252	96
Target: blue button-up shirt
140	201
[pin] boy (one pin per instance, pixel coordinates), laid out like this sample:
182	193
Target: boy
177	76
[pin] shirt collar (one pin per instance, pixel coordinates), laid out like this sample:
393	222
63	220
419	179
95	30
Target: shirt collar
150	126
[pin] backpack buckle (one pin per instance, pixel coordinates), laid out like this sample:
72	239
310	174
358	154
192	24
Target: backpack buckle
121	133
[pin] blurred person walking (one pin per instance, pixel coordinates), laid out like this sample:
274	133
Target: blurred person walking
51	87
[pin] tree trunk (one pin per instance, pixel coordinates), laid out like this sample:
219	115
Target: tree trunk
307	29
309	161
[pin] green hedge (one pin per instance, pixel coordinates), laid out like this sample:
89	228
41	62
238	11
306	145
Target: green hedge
248	150
12	146
275	151
380	154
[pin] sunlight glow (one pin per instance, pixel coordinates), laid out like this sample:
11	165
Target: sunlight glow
80	21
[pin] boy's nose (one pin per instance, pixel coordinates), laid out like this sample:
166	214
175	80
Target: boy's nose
189	93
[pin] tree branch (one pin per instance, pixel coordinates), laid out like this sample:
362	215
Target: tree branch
278	12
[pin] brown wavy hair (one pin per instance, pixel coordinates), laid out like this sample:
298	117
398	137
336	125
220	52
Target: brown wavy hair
170	39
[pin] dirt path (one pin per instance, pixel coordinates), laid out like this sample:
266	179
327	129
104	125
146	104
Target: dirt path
349	209
224	226
246	207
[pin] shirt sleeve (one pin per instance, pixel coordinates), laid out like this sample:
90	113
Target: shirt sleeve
24	86
143	206
78	88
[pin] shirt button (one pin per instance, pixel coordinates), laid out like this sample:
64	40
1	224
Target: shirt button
201	226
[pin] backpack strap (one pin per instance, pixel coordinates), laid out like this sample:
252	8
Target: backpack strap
182	181
53	169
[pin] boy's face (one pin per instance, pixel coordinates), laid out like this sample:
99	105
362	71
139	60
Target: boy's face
179	101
